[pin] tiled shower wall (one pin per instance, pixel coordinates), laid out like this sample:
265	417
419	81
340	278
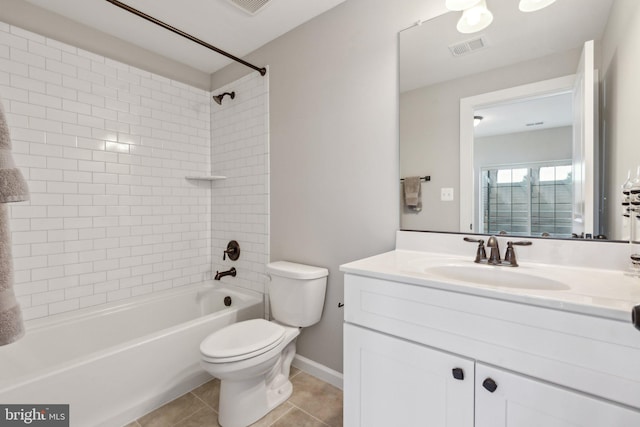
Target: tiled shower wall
240	203
105	148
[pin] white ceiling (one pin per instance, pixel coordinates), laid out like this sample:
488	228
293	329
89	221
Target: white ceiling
216	22
526	115
513	37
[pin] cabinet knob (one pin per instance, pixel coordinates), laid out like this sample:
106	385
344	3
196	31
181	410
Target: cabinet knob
490	385
458	373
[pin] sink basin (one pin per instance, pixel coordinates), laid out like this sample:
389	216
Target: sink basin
505	277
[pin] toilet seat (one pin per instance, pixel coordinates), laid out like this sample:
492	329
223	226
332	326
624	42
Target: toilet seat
242	340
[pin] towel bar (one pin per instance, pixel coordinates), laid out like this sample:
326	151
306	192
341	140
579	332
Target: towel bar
422	178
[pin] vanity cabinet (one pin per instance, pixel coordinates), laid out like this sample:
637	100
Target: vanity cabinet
519	401
393	382
523	365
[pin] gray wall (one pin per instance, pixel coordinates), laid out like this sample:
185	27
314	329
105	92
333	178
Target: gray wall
430	132
334	144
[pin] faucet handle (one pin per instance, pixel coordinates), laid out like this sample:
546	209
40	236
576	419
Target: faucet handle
510	254
233	250
481	254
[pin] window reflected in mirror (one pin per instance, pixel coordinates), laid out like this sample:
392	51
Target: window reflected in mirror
527	200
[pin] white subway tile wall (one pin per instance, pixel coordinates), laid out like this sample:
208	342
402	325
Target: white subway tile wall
105	148
240	204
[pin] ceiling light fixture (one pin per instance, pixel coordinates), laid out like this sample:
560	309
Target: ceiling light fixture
459	5
477	120
475	19
533	5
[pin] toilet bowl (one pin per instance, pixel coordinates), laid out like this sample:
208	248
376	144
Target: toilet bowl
252	358
252	361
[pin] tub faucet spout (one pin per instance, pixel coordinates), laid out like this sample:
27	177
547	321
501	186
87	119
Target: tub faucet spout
221	274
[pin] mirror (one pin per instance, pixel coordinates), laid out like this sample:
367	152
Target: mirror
441	70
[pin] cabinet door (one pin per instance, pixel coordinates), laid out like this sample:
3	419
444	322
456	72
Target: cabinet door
518	401
392	382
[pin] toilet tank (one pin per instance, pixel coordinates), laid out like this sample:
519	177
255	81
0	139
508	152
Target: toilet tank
296	292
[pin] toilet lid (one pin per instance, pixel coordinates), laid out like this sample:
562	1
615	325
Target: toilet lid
242	340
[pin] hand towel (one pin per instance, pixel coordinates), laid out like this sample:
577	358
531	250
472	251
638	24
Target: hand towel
13	188
413	193
11	324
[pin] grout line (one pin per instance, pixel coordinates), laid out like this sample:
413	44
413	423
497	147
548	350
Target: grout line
187	417
295	375
286	412
203	401
312	416
172	401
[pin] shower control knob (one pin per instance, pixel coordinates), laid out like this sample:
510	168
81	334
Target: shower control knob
233	250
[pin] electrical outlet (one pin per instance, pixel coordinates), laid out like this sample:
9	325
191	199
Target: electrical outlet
446	194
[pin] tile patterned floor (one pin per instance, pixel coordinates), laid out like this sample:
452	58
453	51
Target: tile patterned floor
313	403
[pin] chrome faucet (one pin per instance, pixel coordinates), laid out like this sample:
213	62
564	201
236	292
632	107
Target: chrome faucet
494	256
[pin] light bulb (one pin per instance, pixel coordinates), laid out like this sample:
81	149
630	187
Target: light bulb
475	19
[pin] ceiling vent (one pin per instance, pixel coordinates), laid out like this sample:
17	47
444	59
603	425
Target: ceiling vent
468	46
251	7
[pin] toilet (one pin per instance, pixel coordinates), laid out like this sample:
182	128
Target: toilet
252	358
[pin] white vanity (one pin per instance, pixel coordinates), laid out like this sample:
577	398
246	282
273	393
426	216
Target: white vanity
432	339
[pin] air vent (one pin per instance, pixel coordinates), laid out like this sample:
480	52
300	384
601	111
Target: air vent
534	124
251	7
468	46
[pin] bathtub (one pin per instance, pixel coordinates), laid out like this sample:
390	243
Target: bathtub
118	362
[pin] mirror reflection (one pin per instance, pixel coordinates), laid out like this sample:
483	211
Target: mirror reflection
525	184
553	140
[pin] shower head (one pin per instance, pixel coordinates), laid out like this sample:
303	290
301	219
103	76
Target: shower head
218	98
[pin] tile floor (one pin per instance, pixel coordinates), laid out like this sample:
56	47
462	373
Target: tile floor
313	403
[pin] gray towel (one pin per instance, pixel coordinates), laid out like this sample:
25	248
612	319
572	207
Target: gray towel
413	193
11	325
13	188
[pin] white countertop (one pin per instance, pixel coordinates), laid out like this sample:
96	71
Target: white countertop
596	292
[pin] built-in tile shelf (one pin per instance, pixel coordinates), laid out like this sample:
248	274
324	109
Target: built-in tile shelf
206	177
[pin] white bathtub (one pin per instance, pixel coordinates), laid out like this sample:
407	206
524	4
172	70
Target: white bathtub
116	363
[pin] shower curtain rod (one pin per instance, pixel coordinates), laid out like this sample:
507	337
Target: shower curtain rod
164	25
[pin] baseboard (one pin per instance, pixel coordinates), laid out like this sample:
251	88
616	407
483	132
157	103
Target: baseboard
322	372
